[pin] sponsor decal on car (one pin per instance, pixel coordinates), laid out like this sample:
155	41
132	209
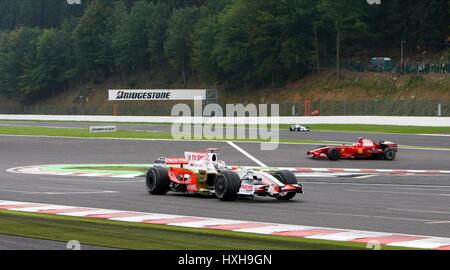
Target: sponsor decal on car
176	161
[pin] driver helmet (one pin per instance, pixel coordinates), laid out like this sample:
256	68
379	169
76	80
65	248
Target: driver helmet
220	165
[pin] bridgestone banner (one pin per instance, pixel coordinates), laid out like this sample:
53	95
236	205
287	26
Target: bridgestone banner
156	94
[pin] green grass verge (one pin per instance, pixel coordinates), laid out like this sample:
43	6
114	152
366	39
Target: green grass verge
314	127
126	134
80	132
127	235
84	133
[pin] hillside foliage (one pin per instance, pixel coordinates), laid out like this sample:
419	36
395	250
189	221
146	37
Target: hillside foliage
47	46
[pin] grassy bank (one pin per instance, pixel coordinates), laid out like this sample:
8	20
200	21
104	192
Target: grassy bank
314	127
121	134
80	132
126	134
126	235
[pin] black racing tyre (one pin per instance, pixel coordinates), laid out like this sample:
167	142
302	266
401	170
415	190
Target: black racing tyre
286	177
227	186
333	154
157	180
291	129
389	154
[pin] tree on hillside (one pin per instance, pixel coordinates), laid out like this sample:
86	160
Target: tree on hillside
346	17
264	41
433	27
52	61
156	33
121	38
37	13
204	39
25	45
179	38
92	38
9	63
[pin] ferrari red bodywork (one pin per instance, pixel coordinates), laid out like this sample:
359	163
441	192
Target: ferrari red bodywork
364	148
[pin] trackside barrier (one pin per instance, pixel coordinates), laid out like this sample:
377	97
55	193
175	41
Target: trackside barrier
371	120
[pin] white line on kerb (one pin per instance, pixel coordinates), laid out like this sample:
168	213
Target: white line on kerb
365	176
245	153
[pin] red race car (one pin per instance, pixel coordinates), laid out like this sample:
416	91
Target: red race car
364	148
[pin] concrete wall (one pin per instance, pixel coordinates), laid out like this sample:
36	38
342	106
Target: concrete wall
373	120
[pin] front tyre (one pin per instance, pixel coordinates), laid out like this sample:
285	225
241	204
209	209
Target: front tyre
227	186
157	181
389	154
333	154
287	178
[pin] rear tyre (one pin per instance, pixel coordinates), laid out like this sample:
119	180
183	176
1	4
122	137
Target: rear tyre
157	181
227	186
389	154
333	154
287	178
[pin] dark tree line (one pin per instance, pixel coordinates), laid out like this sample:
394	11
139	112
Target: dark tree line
47	45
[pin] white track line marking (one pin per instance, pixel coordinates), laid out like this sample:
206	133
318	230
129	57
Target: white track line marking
419	211
377	217
209	222
89	212
370	184
347	236
78	192
65	188
95	181
274	229
365	176
435	135
439	222
423	243
144	217
446	189
18	191
245	153
395	192
42	208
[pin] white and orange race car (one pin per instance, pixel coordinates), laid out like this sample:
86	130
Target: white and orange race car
204	173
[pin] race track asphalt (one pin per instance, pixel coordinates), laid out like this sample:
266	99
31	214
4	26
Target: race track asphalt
401	139
412	205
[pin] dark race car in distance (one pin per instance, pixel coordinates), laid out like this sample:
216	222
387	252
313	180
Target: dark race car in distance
299	128
363	149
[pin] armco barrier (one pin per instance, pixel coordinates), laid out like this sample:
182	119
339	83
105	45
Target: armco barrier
371	120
